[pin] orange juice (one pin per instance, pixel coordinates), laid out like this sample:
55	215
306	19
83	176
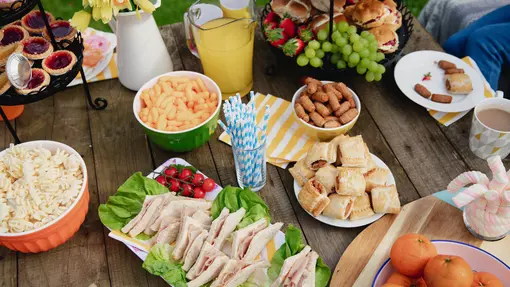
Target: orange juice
225	47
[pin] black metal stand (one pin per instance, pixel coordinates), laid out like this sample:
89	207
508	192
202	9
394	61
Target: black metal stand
18	10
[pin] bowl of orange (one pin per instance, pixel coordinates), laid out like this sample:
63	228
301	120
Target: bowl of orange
58	227
417	261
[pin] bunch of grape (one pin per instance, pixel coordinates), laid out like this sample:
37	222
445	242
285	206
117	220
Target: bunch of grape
347	49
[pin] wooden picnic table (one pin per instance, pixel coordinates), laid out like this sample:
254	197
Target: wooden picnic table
423	156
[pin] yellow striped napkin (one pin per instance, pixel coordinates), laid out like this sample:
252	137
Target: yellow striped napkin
286	139
449	118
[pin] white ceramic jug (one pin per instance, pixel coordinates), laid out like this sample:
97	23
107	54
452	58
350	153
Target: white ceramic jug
141	52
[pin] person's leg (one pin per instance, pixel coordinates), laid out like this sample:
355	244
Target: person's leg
456	44
490	48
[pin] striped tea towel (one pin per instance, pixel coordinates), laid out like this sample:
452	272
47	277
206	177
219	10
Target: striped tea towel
449	118
286	138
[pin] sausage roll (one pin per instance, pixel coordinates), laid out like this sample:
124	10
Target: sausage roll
458	84
313	197
327	176
353	153
361	207
376	177
385	199
340	206
301	173
350	181
319	155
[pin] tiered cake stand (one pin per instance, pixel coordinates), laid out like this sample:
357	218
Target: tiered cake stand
58	83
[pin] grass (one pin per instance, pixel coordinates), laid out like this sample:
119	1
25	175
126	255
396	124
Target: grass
171	11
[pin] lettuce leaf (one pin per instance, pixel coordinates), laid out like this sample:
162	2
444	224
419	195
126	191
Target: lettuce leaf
127	202
292	246
159	262
234	198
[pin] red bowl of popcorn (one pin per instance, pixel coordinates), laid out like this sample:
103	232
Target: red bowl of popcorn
52	219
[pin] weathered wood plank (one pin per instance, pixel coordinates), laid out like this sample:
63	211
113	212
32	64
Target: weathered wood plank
82	260
120	149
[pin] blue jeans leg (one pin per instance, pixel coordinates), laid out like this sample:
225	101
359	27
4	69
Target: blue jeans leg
490	48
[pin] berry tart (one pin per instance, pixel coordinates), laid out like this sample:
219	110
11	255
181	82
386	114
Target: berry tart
62	30
39	80
13	34
36	48
4	83
59	62
34	22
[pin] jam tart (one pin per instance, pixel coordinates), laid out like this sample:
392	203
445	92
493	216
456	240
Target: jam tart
4	83
36	48
13	34
59	62
62	30
33	22
6	51
39	80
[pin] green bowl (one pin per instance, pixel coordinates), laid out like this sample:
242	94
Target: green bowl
186	140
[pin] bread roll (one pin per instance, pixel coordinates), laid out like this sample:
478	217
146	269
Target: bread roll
323	5
321	21
297	10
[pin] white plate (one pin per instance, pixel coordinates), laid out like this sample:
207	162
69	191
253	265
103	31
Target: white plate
411	68
480	260
351	223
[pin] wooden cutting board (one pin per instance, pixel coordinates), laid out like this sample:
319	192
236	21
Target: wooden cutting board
429	216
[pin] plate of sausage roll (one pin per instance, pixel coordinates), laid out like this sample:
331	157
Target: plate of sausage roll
342	184
439	81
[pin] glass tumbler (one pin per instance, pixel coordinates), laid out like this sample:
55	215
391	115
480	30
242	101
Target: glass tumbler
250	166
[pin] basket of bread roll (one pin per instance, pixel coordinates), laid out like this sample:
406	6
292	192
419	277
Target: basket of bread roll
325	40
342	184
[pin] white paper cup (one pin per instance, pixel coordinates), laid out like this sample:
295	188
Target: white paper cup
485	141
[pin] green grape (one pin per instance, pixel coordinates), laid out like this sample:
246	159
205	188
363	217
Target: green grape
357	47
334	48
315	62
377	77
351	30
310	52
361	70
335	58
347	49
381	69
372	48
369	76
354	58
302	60
365	34
341	64
364	53
326	46
351	65
380	56
370	37
341	41
342	26
345	57
373	56
365	63
374	67
363	41
319	54
322	35
335	36
314	44
354	38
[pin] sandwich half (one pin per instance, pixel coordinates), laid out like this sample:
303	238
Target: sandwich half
248	242
298	270
189	226
193	250
386	37
223	226
208	266
236	273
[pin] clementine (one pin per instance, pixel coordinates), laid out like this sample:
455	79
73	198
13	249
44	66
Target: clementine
391	285
399	279
448	271
420	282
485	279
410	253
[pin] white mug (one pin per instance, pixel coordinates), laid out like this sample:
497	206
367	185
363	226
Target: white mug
485	141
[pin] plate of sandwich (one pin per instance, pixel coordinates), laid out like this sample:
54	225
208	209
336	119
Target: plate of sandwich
439	81
226	239
342	184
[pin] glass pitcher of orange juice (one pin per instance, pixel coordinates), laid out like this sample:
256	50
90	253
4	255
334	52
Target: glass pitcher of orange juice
222	36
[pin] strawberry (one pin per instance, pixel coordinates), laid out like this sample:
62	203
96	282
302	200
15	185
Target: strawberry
276	37
305	34
288	27
293	47
271	17
270	25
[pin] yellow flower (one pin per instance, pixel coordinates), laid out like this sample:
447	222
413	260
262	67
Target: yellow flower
81	20
106	14
122	4
145	5
96	13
